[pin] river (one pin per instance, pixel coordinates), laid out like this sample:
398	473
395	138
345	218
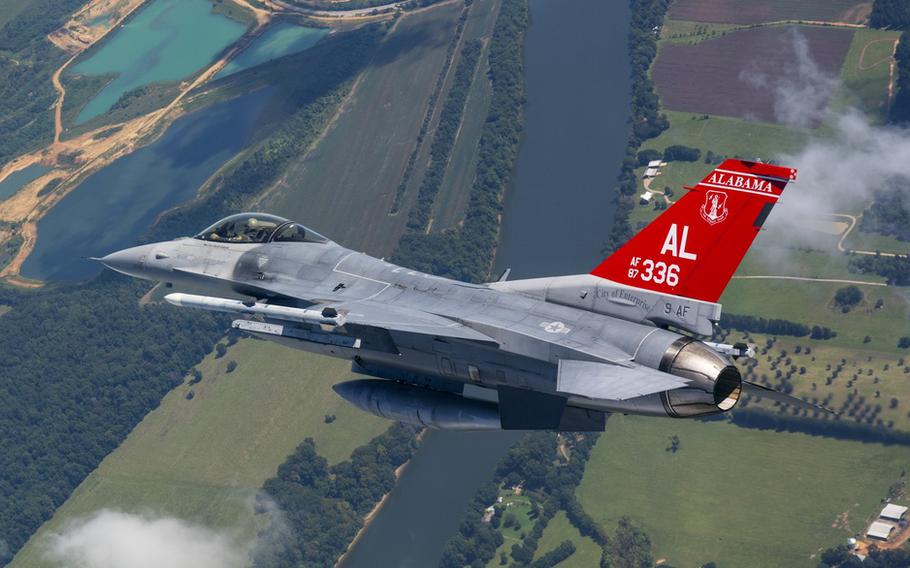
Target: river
111	207
557	216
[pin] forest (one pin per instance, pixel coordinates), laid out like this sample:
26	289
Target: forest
323	507
79	367
895	269
889	213
27	61
891	14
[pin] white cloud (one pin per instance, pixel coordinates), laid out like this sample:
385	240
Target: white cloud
112	539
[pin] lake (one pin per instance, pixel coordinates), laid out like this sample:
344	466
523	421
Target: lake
16	180
277	41
168	40
114	206
557	216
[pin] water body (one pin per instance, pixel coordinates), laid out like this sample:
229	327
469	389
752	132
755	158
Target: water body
17	179
113	206
556	218
168	40
559	212
277	41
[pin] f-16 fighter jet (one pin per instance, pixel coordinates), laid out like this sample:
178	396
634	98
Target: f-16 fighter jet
540	354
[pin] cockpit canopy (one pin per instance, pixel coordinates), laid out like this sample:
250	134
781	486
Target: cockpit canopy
259	228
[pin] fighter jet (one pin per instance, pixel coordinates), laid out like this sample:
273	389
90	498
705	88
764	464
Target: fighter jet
555	353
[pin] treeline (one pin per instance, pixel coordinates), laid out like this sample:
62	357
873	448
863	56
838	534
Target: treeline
322	507
431	107
774	326
547	479
79	368
841	557
889	214
316	100
891	14
647	121
444	138
895	269
467	253
900	104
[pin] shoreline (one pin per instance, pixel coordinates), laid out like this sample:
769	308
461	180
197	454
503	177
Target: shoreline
369	517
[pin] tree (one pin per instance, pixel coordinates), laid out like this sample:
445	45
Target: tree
848	297
679	153
220	350
903	342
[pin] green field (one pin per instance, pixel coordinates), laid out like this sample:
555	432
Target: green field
812	303
520	507
781	502
345	187
858	240
452	199
203	459
587	553
867	72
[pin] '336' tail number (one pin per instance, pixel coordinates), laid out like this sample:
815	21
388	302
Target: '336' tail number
658	272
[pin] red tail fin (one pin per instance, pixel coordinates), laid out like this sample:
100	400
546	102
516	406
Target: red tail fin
694	247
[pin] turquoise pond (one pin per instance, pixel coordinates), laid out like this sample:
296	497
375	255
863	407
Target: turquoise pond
277	41
14	182
168	40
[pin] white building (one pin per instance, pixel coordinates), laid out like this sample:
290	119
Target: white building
893	512
880	530
655	164
649	173
646	197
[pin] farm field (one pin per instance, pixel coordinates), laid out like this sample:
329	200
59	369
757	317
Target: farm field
203	459
866	73
452	199
345	186
713	76
812	303
758	11
793	492
853	381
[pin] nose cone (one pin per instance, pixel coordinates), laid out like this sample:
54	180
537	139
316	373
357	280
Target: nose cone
129	261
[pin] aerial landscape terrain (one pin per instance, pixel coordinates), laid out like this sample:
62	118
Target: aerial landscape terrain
459	138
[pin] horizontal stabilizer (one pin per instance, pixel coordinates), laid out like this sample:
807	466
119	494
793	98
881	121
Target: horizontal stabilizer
611	382
771	394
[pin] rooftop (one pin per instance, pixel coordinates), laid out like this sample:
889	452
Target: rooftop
893	512
880	530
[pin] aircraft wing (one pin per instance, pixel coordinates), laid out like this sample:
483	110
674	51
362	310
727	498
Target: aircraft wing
611	382
396	318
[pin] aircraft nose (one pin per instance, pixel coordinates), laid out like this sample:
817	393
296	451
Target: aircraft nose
127	261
